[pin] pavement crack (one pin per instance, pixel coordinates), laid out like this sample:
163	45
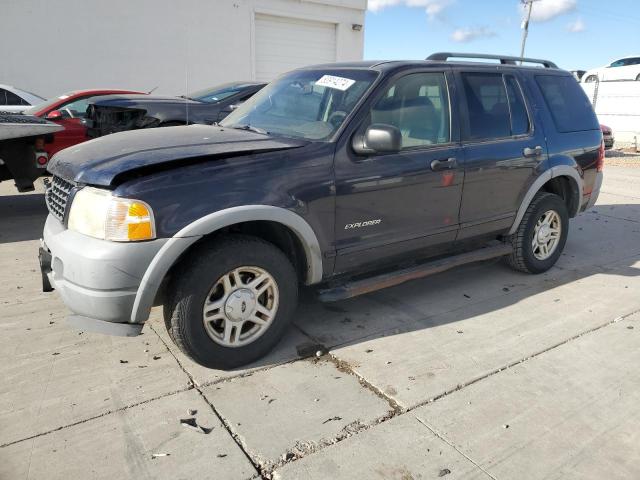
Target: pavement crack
522	360
225	423
103	414
442	438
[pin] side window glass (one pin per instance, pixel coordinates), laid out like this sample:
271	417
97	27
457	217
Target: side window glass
418	105
487	105
12	98
75	109
567	102
519	117
3	96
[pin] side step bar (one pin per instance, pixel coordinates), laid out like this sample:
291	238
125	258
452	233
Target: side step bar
367	285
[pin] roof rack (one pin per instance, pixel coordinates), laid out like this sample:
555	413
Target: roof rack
504	59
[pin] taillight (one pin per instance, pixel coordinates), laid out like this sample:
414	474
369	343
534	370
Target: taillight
600	161
42	160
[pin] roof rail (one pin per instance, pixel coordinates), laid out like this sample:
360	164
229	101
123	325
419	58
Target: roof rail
504	59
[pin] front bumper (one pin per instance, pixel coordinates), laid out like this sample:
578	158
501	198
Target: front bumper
98	280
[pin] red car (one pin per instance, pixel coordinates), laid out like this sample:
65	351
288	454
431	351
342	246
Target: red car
69	111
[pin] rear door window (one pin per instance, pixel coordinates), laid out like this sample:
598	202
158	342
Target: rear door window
13	99
569	105
519	117
495	106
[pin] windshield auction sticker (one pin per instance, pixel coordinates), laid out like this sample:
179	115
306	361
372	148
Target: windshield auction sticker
339	83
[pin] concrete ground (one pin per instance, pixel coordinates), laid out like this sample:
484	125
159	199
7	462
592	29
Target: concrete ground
480	372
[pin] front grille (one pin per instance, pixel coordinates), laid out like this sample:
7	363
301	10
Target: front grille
57	195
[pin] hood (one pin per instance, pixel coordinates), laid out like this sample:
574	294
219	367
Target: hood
136	101
101	161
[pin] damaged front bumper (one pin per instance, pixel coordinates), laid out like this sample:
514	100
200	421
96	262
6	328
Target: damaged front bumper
98	280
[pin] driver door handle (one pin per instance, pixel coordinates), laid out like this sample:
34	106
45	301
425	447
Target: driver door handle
447	164
532	152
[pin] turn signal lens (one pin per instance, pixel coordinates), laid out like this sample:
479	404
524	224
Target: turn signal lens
129	220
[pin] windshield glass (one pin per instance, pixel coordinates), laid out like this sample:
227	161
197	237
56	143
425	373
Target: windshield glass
216	94
47	104
309	104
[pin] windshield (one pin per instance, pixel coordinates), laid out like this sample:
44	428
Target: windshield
309	104
47	104
216	94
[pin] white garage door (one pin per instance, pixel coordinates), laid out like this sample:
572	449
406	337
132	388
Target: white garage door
283	44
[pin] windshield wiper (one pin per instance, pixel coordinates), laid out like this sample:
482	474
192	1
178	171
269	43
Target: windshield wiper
251	128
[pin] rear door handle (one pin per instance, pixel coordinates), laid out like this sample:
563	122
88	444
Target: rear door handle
447	164
532	152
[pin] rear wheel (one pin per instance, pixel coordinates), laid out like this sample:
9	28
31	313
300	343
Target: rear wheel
232	301
541	235
638	78
591	78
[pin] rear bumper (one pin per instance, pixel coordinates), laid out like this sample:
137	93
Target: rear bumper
97	280
596	191
608	141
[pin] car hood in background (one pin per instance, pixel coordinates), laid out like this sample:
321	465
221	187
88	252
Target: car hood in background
138	101
101	161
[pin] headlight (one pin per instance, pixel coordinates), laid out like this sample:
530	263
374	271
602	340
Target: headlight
97	213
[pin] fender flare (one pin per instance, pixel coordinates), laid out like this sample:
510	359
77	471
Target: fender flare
553	172
181	241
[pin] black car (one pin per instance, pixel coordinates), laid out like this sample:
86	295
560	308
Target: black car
116	113
350	177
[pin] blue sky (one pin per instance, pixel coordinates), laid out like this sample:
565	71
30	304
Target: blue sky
576	34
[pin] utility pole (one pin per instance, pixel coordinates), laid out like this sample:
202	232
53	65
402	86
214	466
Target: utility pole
525	25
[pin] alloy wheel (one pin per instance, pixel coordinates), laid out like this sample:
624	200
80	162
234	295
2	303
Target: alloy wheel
546	235
241	306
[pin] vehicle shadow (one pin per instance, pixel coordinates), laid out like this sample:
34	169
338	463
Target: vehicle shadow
598	245
22	217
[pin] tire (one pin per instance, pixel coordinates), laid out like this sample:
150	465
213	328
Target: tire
523	256
638	78
206	278
591	78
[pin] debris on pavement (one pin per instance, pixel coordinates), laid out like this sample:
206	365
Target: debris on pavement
157	357
443	472
336	418
124	361
156	455
309	349
192	411
221	455
288	456
192	424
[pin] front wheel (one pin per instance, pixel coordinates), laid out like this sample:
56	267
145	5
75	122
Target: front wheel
541	235
231	301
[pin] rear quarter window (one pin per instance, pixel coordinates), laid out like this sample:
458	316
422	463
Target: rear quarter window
568	104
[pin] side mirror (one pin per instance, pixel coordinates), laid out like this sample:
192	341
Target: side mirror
54	115
378	138
226	111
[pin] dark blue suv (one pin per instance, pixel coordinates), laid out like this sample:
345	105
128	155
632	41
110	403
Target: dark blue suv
352	177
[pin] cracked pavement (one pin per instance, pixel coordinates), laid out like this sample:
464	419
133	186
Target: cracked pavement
479	372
